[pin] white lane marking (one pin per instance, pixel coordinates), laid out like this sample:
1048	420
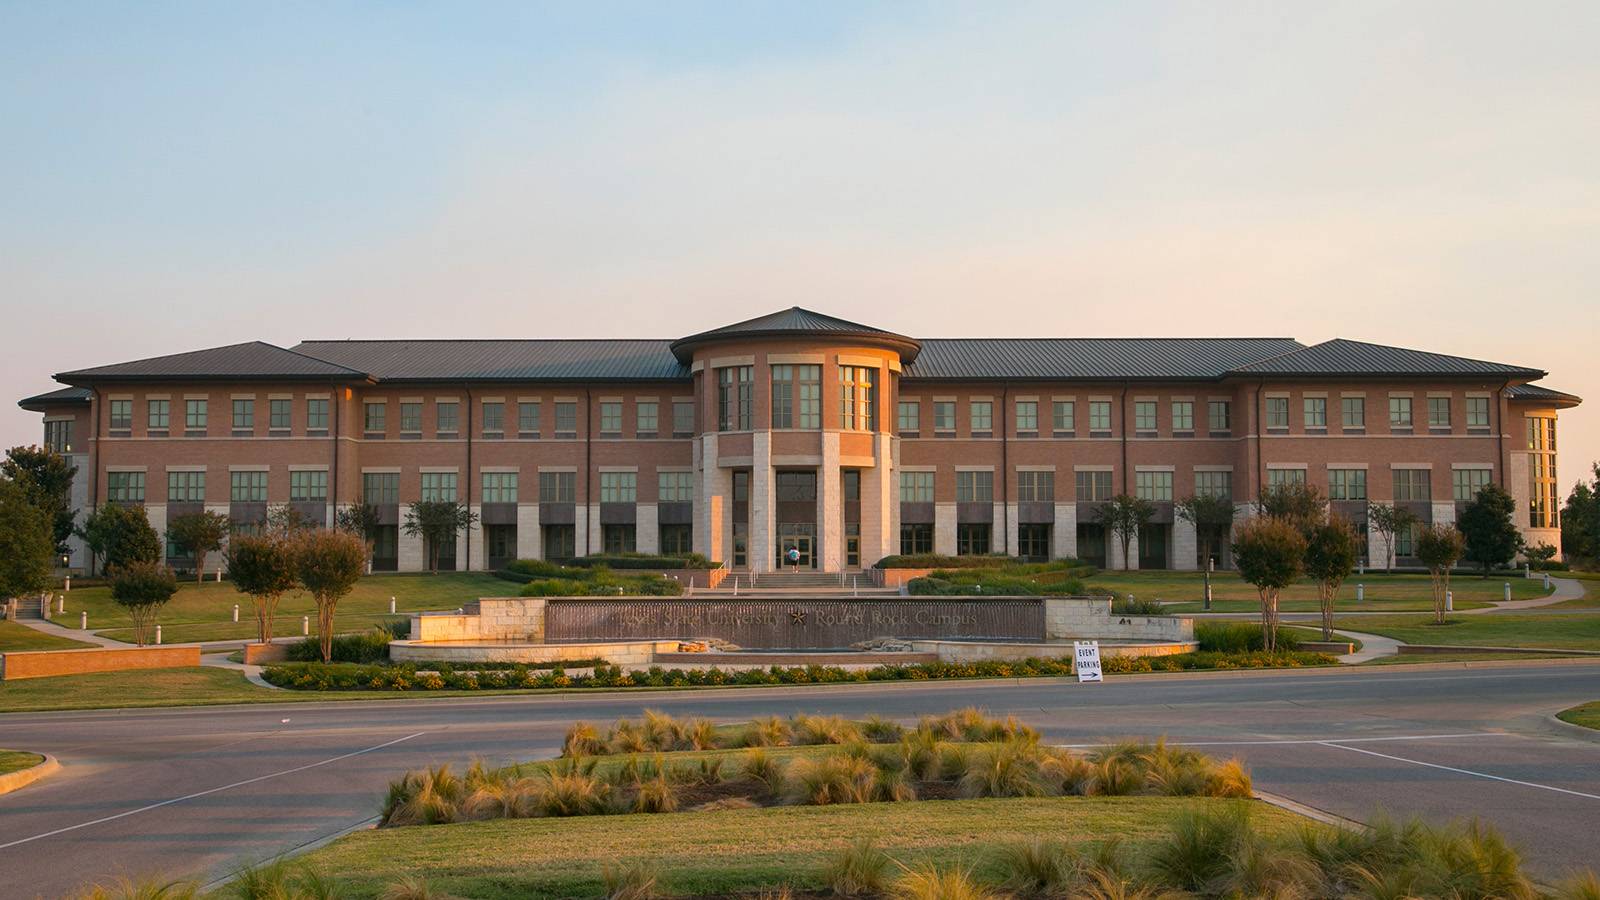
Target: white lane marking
1361	740
1418	762
214	790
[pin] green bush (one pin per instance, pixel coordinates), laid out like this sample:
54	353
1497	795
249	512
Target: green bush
941	561
370	646
1240	637
603	584
641	561
992	583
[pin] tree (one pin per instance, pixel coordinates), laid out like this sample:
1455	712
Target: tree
262	566
198	534
1539	555
360	519
328	564
1212	517
1269	554
1580	520
46	476
1332	550
1492	538
1440	547
1301	505
284	519
26	550
121	535
437	521
142	588
1388	521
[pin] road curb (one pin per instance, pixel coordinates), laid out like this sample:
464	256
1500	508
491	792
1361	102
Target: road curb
1576	731
1310	812
13	781
319	843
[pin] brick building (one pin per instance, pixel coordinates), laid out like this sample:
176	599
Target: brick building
797	429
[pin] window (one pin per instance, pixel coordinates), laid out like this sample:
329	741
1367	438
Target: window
1544	500
528	418
981	416
499	487
244	415
558	487
801	486
1036	487
1405	540
610	417
916	487
278	413
1153	486
1027	415
733	398
194	414
247	487
944	415
437	486
308	486
1412	484
58	435
317	415
910	416
857	397
449	417
1061	415
1438	412
1354	411
619	487
160	415
1214	484
676	540
797	397
1466	483
675	487
410	418
1277	412
494	416
1347	484
1033	542
1183	415
121	414
1219	416
1144	415
186	487
974	487
1285	477
1399	412
618	538
682	418
645	417
972	539
1094	487
125	487
1316	409
566	418
380	488
1477	412
916	539
1099	415
375	419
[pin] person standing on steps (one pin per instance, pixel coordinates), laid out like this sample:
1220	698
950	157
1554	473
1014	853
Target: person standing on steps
794	557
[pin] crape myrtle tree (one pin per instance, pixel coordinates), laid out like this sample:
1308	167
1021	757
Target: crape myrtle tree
1388	521
46	477
120	535
1492	538
1123	516
1269	554
437	522
26	543
263	566
328	563
1440	547
1580	520
1332	549
1212	517
142	588
360	519
1301	505
197	535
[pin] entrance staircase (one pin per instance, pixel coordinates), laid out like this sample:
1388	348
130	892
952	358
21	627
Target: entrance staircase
808	583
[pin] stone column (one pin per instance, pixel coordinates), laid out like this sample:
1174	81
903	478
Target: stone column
410	550
1064	534
763	504
880	505
713	510
478	559
1185	545
647	531
1377	550
1006	515
944	528
830	506
529	540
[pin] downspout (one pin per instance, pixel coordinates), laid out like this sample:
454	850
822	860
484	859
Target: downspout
1005	466
1261	449
333	444
1123	404
588	473
1500	432
468	389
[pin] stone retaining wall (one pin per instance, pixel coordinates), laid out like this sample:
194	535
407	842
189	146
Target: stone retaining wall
635	653
976	651
47	663
1082	618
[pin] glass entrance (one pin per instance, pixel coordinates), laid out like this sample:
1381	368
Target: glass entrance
802	539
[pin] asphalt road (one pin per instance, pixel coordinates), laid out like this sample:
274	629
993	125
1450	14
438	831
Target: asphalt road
198	791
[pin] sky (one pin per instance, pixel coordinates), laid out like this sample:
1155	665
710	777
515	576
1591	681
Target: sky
183	175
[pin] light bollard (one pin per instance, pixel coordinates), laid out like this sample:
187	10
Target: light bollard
83	621
1507	592
305	625
391	606
68	588
1449	601
1361	593
1527	571
236	612
219	576
158	634
61	603
1547	581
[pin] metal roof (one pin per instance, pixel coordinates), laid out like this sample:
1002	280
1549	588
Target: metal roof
1345	357
795	320
247	361
504	360
1119	359
67	396
1540	392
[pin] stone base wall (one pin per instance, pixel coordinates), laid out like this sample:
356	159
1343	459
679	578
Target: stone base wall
1088	618
45	663
974	651
630	653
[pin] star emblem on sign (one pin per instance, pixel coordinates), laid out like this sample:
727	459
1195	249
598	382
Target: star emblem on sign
797	616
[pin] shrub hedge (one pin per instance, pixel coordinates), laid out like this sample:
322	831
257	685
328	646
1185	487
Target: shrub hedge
941	561
370	646
641	561
1240	637
1058	577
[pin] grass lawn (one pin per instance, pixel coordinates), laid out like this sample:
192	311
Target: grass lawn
734	850
15	637
17	760
1385	593
1574	632
204	612
1587	715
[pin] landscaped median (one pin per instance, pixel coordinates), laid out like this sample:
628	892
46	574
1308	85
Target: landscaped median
1587	715
20	768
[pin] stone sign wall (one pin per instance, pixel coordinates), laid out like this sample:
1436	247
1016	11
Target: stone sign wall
792	624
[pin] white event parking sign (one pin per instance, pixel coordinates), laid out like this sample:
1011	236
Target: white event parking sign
1087	659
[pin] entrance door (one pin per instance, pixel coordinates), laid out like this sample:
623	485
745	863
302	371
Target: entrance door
801	543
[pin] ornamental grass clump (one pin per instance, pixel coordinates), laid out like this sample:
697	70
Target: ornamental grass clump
1009	769
929	882
879	730
582	739
833	779
563	794
424	797
1039	866
825	730
761	767
860	869
656	796
635	881
769	732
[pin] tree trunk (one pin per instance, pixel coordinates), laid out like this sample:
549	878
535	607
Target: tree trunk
325	628
1325	595
1269	620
